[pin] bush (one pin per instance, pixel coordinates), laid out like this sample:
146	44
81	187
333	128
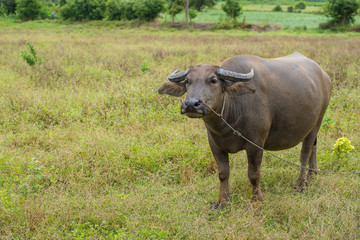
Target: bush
290	9
8	6
148	10
277	8
232	8
341	12
48	11
83	10
120	10
28	9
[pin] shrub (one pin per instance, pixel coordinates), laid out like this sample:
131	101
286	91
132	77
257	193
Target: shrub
83	10
232	8
30	57
290	9
120	10
48	11
277	8
342	146
8	6
28	9
148	10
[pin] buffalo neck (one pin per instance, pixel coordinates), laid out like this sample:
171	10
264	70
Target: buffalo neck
231	115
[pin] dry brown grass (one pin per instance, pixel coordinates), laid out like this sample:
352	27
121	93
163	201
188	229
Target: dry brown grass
88	149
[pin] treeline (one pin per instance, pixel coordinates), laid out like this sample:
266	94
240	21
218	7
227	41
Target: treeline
77	10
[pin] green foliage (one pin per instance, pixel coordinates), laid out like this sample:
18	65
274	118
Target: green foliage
8	6
342	146
83	10
176	7
199	5
148	10
277	8
300	5
192	14
48	11
28	9
144	66
341	12
30	57
232	8
290	9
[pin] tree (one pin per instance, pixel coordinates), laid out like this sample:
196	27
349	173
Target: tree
28	9
8	5
148	10
192	14
232	8
300	6
200	4
83	10
175	7
341	12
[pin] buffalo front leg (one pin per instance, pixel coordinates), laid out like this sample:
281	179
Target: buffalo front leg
254	156
222	160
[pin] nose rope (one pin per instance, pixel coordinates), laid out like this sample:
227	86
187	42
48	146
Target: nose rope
268	152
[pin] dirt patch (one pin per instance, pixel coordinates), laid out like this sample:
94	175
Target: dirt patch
205	26
355	29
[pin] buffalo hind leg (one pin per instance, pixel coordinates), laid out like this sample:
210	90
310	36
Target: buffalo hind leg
306	153
312	162
254	156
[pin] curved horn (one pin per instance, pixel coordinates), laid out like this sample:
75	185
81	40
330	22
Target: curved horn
234	76
178	77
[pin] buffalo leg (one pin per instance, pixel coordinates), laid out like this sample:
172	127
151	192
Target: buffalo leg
312	161
306	152
254	156
222	160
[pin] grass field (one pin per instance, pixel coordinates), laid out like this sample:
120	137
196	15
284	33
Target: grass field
89	150
263	14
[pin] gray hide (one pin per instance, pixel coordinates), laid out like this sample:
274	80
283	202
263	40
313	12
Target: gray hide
279	105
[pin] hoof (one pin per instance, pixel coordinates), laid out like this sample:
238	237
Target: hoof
299	190
217	206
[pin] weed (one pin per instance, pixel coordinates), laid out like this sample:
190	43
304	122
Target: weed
30	56
144	66
342	146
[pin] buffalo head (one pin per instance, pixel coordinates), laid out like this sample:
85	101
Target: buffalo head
205	86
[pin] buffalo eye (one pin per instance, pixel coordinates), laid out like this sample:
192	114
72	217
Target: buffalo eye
187	81
213	81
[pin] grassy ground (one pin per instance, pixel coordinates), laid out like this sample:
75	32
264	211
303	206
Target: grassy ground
89	150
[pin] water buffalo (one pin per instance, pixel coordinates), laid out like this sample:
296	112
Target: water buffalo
276	103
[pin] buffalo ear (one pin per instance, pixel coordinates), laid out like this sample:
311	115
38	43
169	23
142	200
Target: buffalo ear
173	89
236	89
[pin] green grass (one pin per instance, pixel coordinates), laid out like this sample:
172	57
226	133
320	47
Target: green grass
285	19
262	14
89	150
